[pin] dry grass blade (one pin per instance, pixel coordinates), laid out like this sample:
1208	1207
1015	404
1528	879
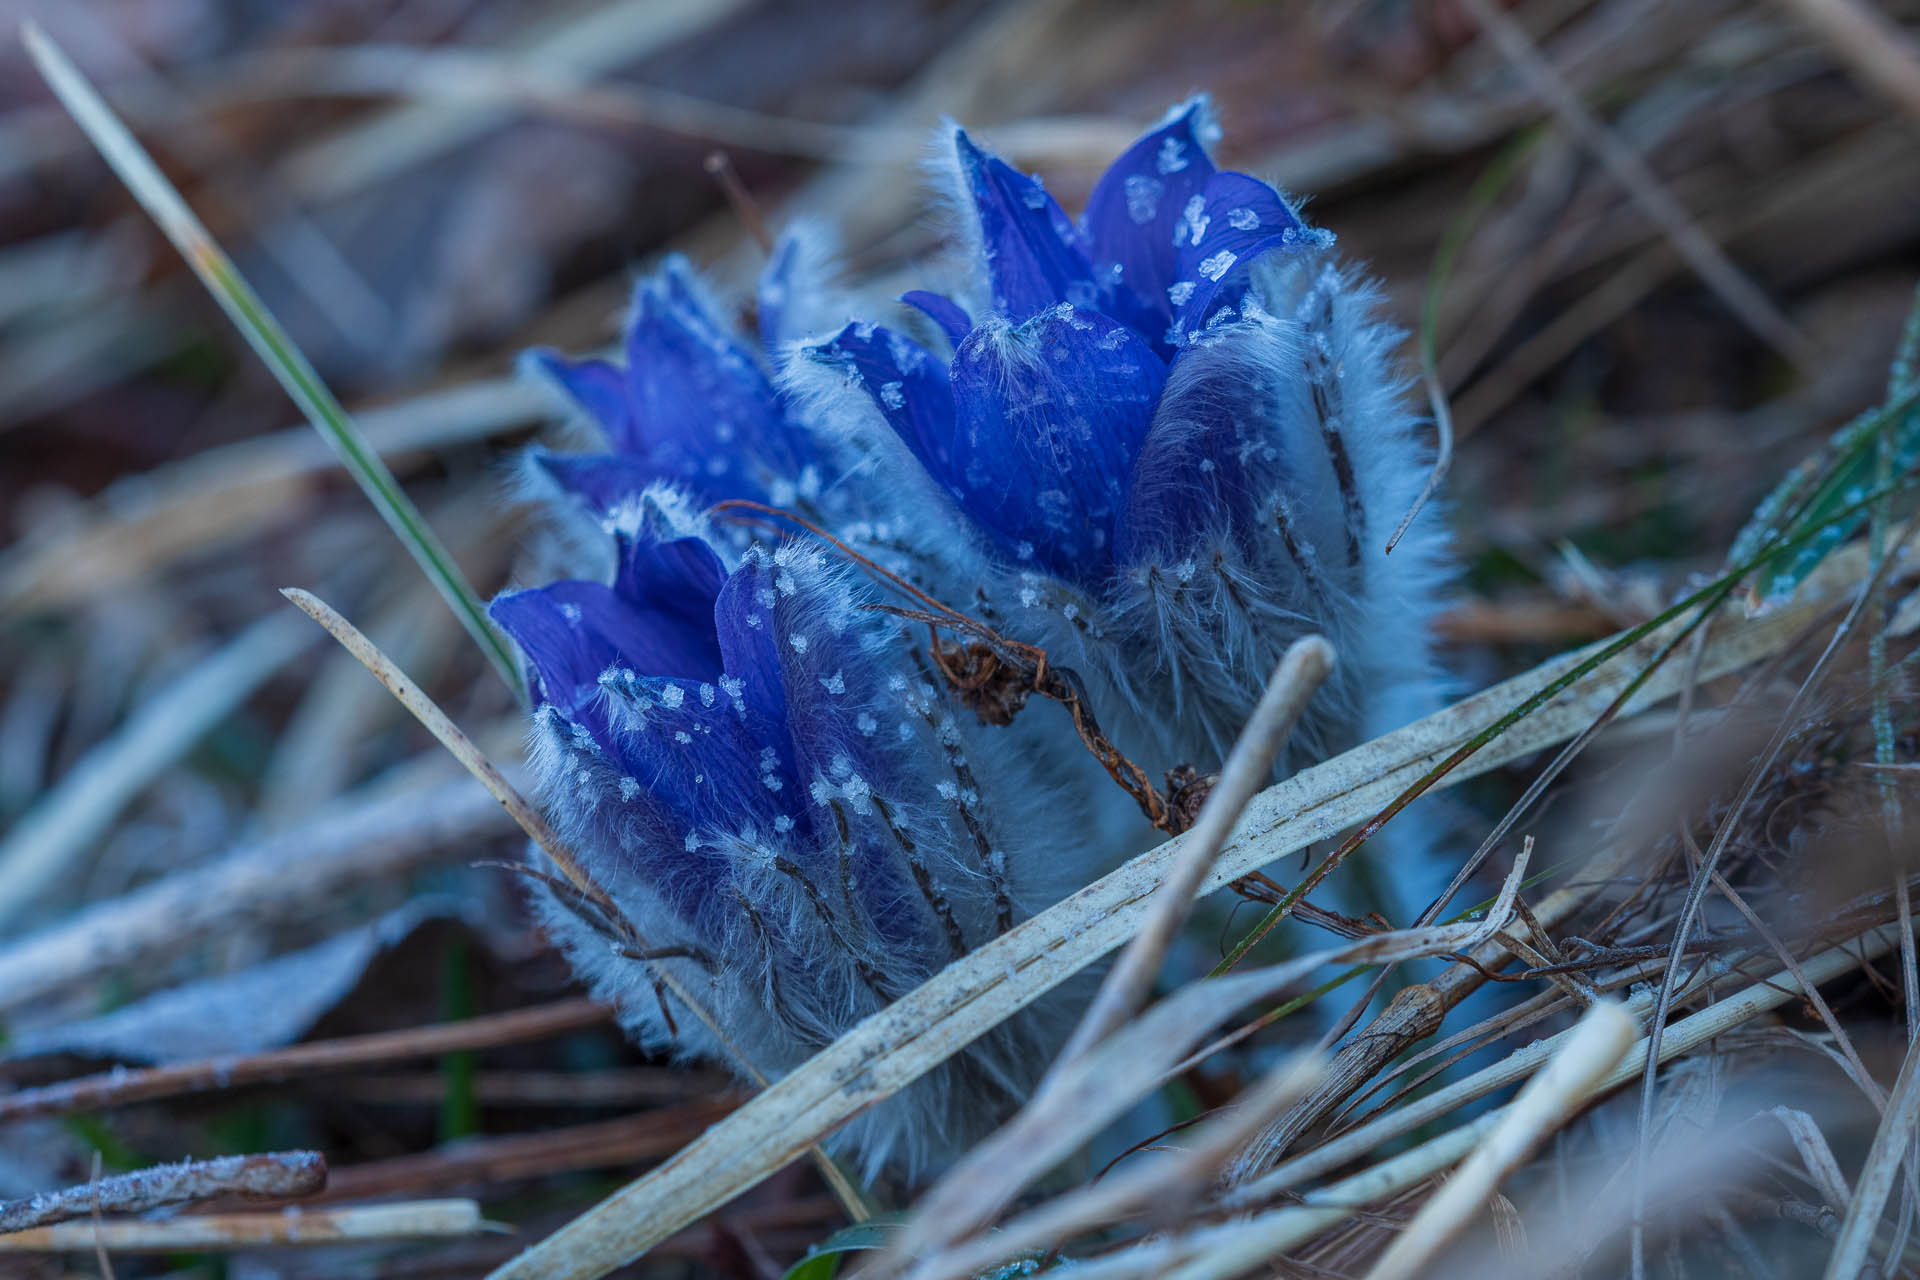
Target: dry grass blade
1085	1094
449	735
1689	1033
412	1220
1815	1154
1745	299
1300	672
1870	43
1703	875
270	1175
898	1045
1550	1099
1156	1182
122	1086
1217	1252
86	802
1892	1142
265	334
268	880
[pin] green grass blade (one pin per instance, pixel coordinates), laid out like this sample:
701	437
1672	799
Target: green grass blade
124	154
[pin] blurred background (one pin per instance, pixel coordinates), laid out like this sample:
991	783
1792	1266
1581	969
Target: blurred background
1663	248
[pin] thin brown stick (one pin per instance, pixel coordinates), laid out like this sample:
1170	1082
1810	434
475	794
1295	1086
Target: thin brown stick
719	166
524	1157
450	736
270	1175
416	1220
122	1087
1298	676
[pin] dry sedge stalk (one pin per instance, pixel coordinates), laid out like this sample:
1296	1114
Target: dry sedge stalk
1550	1100
1714	268
122	1086
1301	670
1083	1096
449	735
896	1046
1876	48
1414	1013
84	805
1682	1037
1157	1182
270	1175
350	843
415	1220
1891	1142
1216	1252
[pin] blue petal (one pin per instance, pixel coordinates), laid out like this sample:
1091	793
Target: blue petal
596	386
657	618
1050	418
676	585
1032	250
745	619
1194	481
702	408
943	311
905	380
1131	217
696	759
1220	234
774	293
604	481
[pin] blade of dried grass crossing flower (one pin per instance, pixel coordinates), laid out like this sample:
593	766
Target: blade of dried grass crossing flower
1156	1181
1892	1142
449	735
265	335
899	1044
87	800
1300	672
1549	1100
413	1220
267	1175
530	821
1085	1094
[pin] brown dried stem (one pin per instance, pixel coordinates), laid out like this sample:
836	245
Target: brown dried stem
267	1176
122	1087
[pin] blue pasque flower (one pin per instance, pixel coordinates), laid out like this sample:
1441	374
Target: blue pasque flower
1169	441
787	811
692	404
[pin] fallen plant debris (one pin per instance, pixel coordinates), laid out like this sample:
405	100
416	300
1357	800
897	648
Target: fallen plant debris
1594	962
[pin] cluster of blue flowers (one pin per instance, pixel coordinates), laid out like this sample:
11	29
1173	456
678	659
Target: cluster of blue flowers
1161	442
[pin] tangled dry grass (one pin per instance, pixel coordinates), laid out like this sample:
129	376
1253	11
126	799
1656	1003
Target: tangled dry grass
1660	251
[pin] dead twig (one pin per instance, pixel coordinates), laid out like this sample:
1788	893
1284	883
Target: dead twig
270	1175
122	1087
416	1220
